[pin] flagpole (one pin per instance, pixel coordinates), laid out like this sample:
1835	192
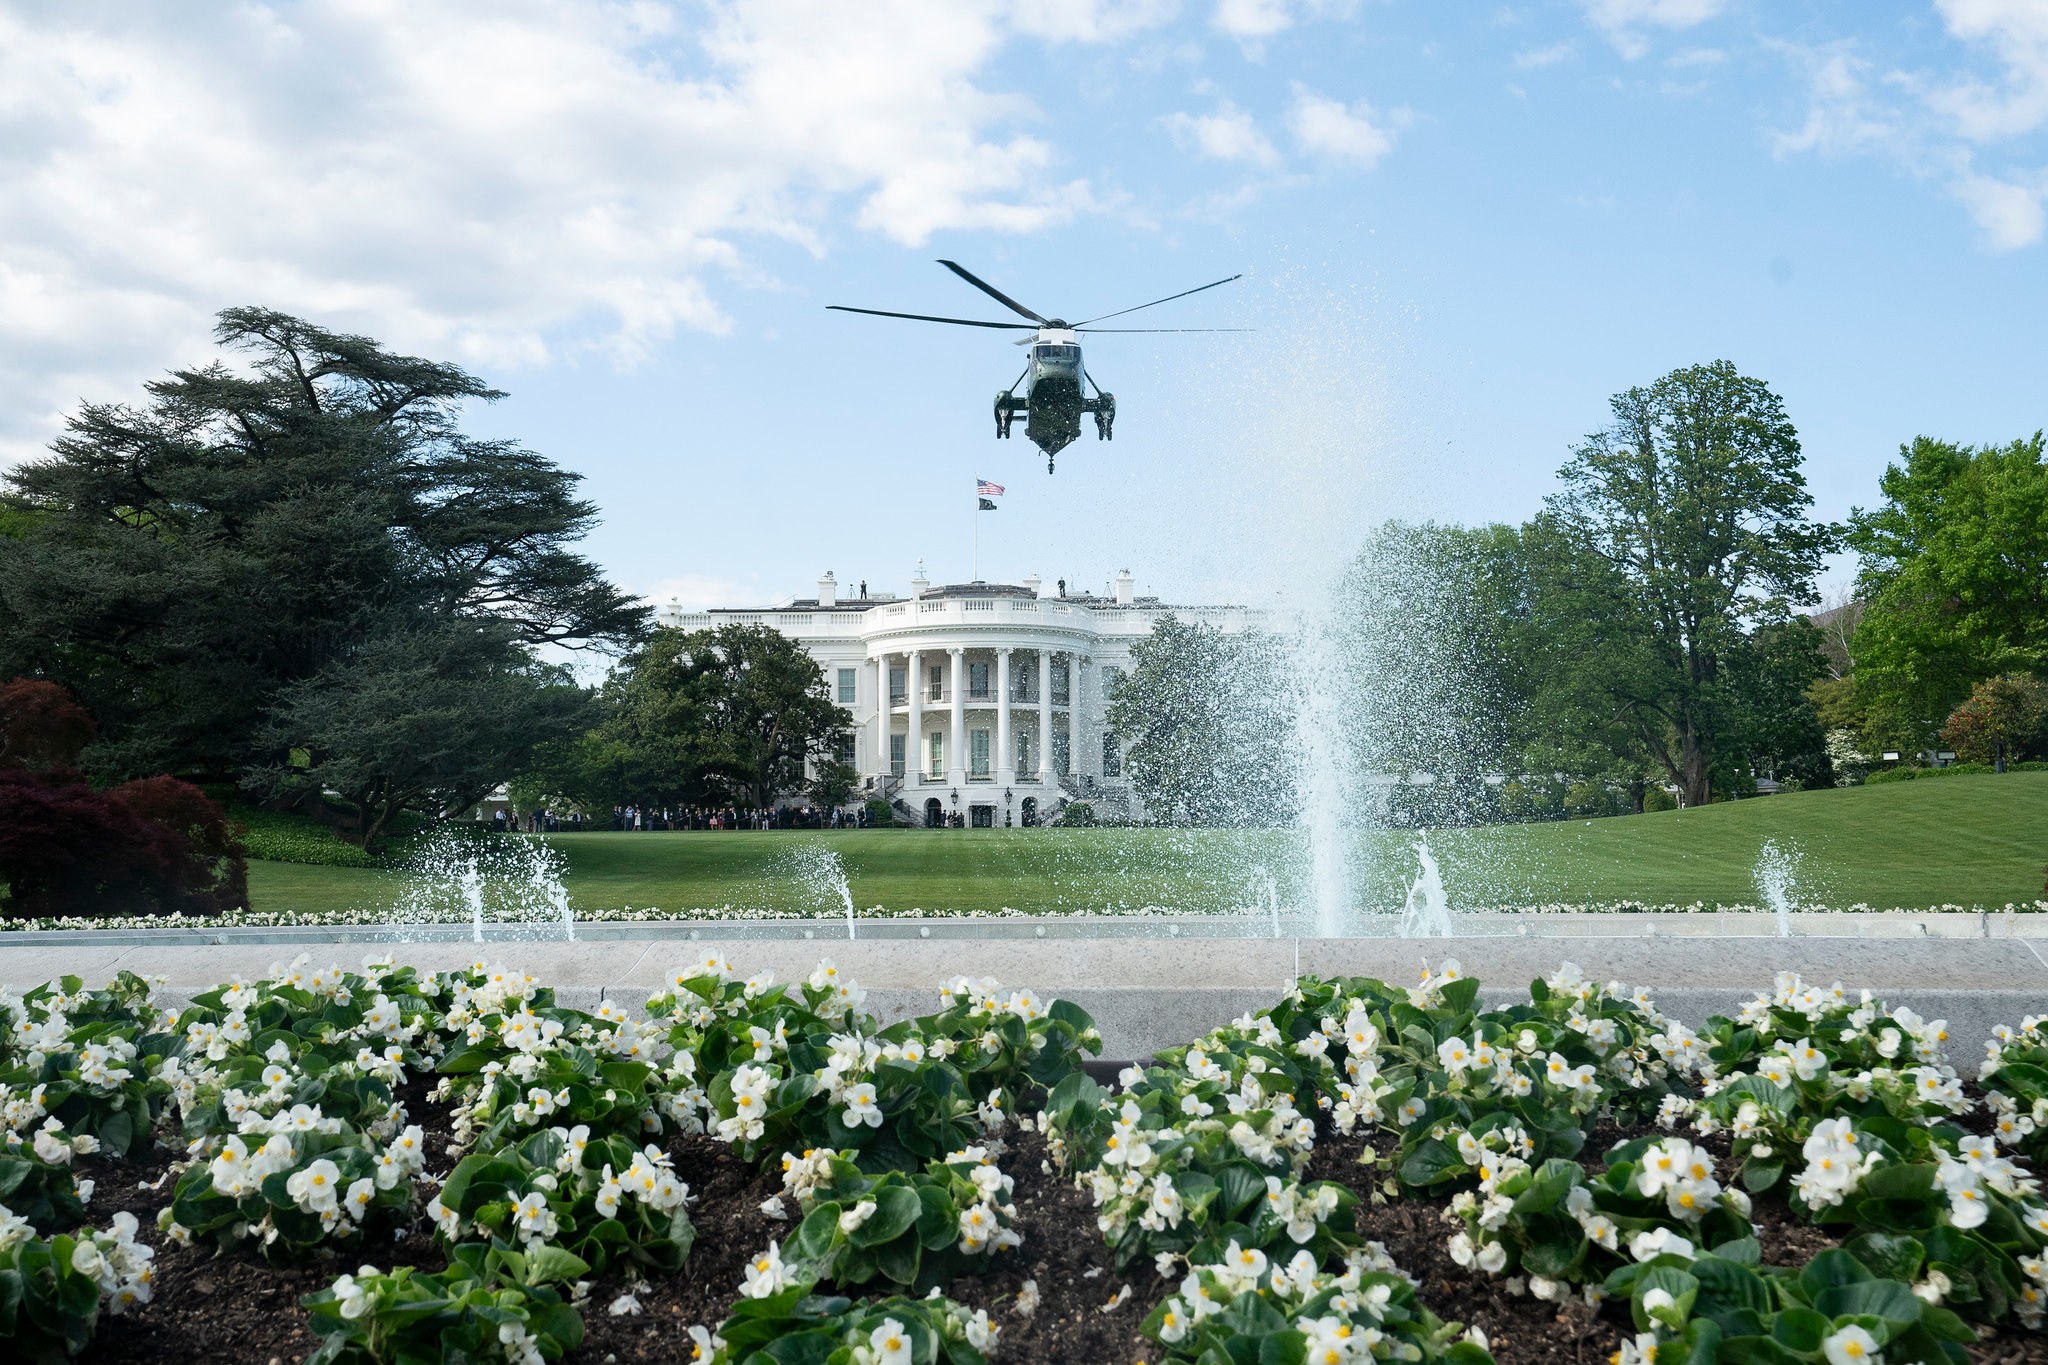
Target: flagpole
975	577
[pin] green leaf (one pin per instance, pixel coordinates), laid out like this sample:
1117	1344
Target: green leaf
1758	1176
552	1265
1726	1286
1887	1299
1802	1329
1430	1163
1891	1257
896	1211
1831	1269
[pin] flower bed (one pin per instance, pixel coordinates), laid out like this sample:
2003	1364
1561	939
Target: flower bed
386	1165
376	917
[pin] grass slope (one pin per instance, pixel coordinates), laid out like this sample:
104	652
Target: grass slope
1961	840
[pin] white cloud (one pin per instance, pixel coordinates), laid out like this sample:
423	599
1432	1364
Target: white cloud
2016	32
1536	58
1326	127
1229	134
1090	21
701	592
1941	127
2010	215
1622	21
502	183
1248	21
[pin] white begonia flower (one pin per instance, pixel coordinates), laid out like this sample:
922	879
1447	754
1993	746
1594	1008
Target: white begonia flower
1851	1346
766	1276
852	1218
861	1108
890	1343
350	1295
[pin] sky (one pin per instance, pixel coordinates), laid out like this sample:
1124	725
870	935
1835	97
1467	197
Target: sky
1462	228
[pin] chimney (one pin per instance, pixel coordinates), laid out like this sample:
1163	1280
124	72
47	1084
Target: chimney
1126	588
1033	584
828	590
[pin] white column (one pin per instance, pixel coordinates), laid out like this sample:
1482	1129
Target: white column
881	718
1081	719
1076	754
1045	718
913	744
956	760
1006	758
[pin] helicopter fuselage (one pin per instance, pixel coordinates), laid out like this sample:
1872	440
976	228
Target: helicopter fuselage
1052	394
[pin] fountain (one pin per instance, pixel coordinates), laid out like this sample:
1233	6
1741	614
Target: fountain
1427	913
818	868
1777	877
506	886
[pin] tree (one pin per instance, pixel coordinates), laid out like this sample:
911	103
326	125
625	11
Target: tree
2005	718
1773	725
41	726
1954	573
833	783
427	719
1693	506
156	846
247	537
762	708
1207	724
732	714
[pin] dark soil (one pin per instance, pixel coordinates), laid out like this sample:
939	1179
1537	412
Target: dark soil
1062	1251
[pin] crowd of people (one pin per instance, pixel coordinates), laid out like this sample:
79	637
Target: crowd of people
647	818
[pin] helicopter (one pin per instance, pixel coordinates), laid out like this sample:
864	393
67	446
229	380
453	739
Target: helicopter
1052	391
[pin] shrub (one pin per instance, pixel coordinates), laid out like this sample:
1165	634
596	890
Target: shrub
277	837
1078	813
157	846
880	813
2005	717
41	726
1656	798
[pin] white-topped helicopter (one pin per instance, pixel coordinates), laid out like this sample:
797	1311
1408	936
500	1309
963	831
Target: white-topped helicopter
1051	393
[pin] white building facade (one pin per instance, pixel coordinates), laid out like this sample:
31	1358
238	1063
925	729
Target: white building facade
981	702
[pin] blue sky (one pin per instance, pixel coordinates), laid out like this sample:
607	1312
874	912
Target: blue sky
1462	228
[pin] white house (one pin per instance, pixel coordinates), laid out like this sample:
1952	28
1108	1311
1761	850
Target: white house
983	699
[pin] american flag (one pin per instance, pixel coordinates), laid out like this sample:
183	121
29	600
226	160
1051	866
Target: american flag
983	488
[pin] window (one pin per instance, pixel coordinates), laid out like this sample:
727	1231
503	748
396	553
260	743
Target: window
977	681
1062	757
1112	756
898	684
1027	760
1020	683
937	688
977	752
938	753
896	744
843	750
1062	678
849	686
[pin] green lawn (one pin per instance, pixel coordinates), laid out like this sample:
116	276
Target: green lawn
1961	840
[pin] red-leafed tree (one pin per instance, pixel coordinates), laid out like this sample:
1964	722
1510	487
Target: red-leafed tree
152	846
41	725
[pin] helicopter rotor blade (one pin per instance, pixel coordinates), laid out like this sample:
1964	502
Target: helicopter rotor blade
998	295
927	317
1156	302
1165	329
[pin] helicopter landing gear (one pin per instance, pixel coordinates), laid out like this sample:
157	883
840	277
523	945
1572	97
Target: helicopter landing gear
1104	408
1006	411
1048	464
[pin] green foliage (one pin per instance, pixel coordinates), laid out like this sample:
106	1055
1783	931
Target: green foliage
1905	774
283	837
798	1324
264	560
1951	579
731	714
51	1290
1655	798
1077	814
1681	529
598	1199
2005	718
491	1303
1201	713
